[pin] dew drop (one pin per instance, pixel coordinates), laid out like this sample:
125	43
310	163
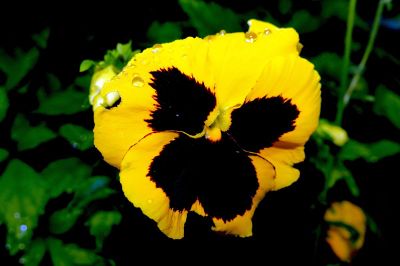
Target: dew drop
250	36
149	201
221	32
209	38
21	246
156	48
267	31
17	215
112	97
22	260
137	81
23	227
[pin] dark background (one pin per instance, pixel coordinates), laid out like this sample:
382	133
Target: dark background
285	221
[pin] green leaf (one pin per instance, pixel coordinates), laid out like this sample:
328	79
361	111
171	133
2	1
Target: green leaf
34	253
3	154
125	50
94	188
86	191
338	9
327	63
164	32
210	18
387	103
83	81
340	172
67	102
4	103
65	175
63	220
78	136
86	65
18	66
101	223
71	255
53	82
41	38
23	196
304	22
28	137
372	152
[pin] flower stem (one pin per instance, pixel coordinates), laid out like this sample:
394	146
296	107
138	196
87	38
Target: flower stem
361	67
345	95
344	78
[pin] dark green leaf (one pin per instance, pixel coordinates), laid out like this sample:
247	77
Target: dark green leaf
304	22
29	137
372	152
340	172
338	9
63	220
17	67
71	254
327	63
53	82
210	18
125	51
70	101
101	223
83	81
65	175
3	154
41	38
34	253
92	189
387	103
4	104
23	196
86	65
78	136
164	32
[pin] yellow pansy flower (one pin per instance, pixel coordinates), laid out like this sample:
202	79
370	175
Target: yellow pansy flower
209	125
347	227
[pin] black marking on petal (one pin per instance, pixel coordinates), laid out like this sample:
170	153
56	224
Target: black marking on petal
220	175
259	123
183	103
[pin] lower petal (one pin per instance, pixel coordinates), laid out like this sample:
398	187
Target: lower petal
143	192
283	159
242	225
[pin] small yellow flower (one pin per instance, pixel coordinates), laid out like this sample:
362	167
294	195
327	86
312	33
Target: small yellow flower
210	125
347	227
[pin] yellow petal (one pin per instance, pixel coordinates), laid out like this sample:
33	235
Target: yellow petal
242	225
143	192
295	79
283	158
340	217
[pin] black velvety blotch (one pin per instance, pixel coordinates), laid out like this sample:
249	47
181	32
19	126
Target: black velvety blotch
259	123
183	103
220	175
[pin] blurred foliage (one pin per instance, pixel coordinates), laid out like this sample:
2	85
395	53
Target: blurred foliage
27	191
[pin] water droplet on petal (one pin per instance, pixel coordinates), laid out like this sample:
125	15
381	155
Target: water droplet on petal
98	101
267	31
221	32
184	56
137	81
149	201
156	48
17	215
112	97
209	38
250	36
